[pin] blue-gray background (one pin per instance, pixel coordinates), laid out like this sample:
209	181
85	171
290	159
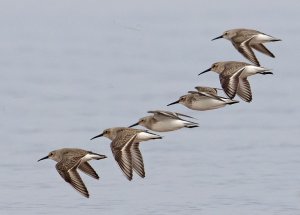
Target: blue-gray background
70	69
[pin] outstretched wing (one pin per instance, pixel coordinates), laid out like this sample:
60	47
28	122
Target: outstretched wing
158	114
67	169
120	147
88	169
209	90
244	90
230	82
245	49
261	48
137	160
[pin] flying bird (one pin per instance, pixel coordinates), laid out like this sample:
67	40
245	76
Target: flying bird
163	121
69	160
125	148
245	40
203	101
233	77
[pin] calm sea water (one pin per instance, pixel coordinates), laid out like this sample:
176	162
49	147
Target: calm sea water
70	69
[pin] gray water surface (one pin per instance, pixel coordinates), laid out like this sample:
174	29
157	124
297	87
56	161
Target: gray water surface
70	69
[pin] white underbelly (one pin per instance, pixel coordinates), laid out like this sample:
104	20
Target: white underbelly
167	125
88	157
252	70
144	136
206	104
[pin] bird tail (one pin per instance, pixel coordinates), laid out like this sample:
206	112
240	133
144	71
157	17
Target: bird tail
231	102
266	73
191	126
275	40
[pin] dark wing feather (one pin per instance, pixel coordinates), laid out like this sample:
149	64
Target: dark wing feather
209	90
261	48
210	96
120	147
158	115
230	82
245	49
71	175
169	114
124	160
88	169
244	90
137	160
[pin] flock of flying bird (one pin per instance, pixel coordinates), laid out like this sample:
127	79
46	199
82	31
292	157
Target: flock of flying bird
125	140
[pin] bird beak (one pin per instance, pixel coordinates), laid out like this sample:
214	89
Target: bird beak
173	103
135	124
219	37
207	70
100	135
43	158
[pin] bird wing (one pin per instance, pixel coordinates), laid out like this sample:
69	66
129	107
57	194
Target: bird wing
209	90
137	160
244	90
67	169
158	114
210	95
120	147
230	82
245	49
187	116
261	48
88	169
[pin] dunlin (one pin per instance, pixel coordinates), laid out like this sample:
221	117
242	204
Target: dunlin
68	160
163	121
233	77
125	148
202	101
246	39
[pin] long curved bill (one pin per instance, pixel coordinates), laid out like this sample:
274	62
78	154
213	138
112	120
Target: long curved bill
219	37
173	103
135	124
207	70
100	135
43	158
